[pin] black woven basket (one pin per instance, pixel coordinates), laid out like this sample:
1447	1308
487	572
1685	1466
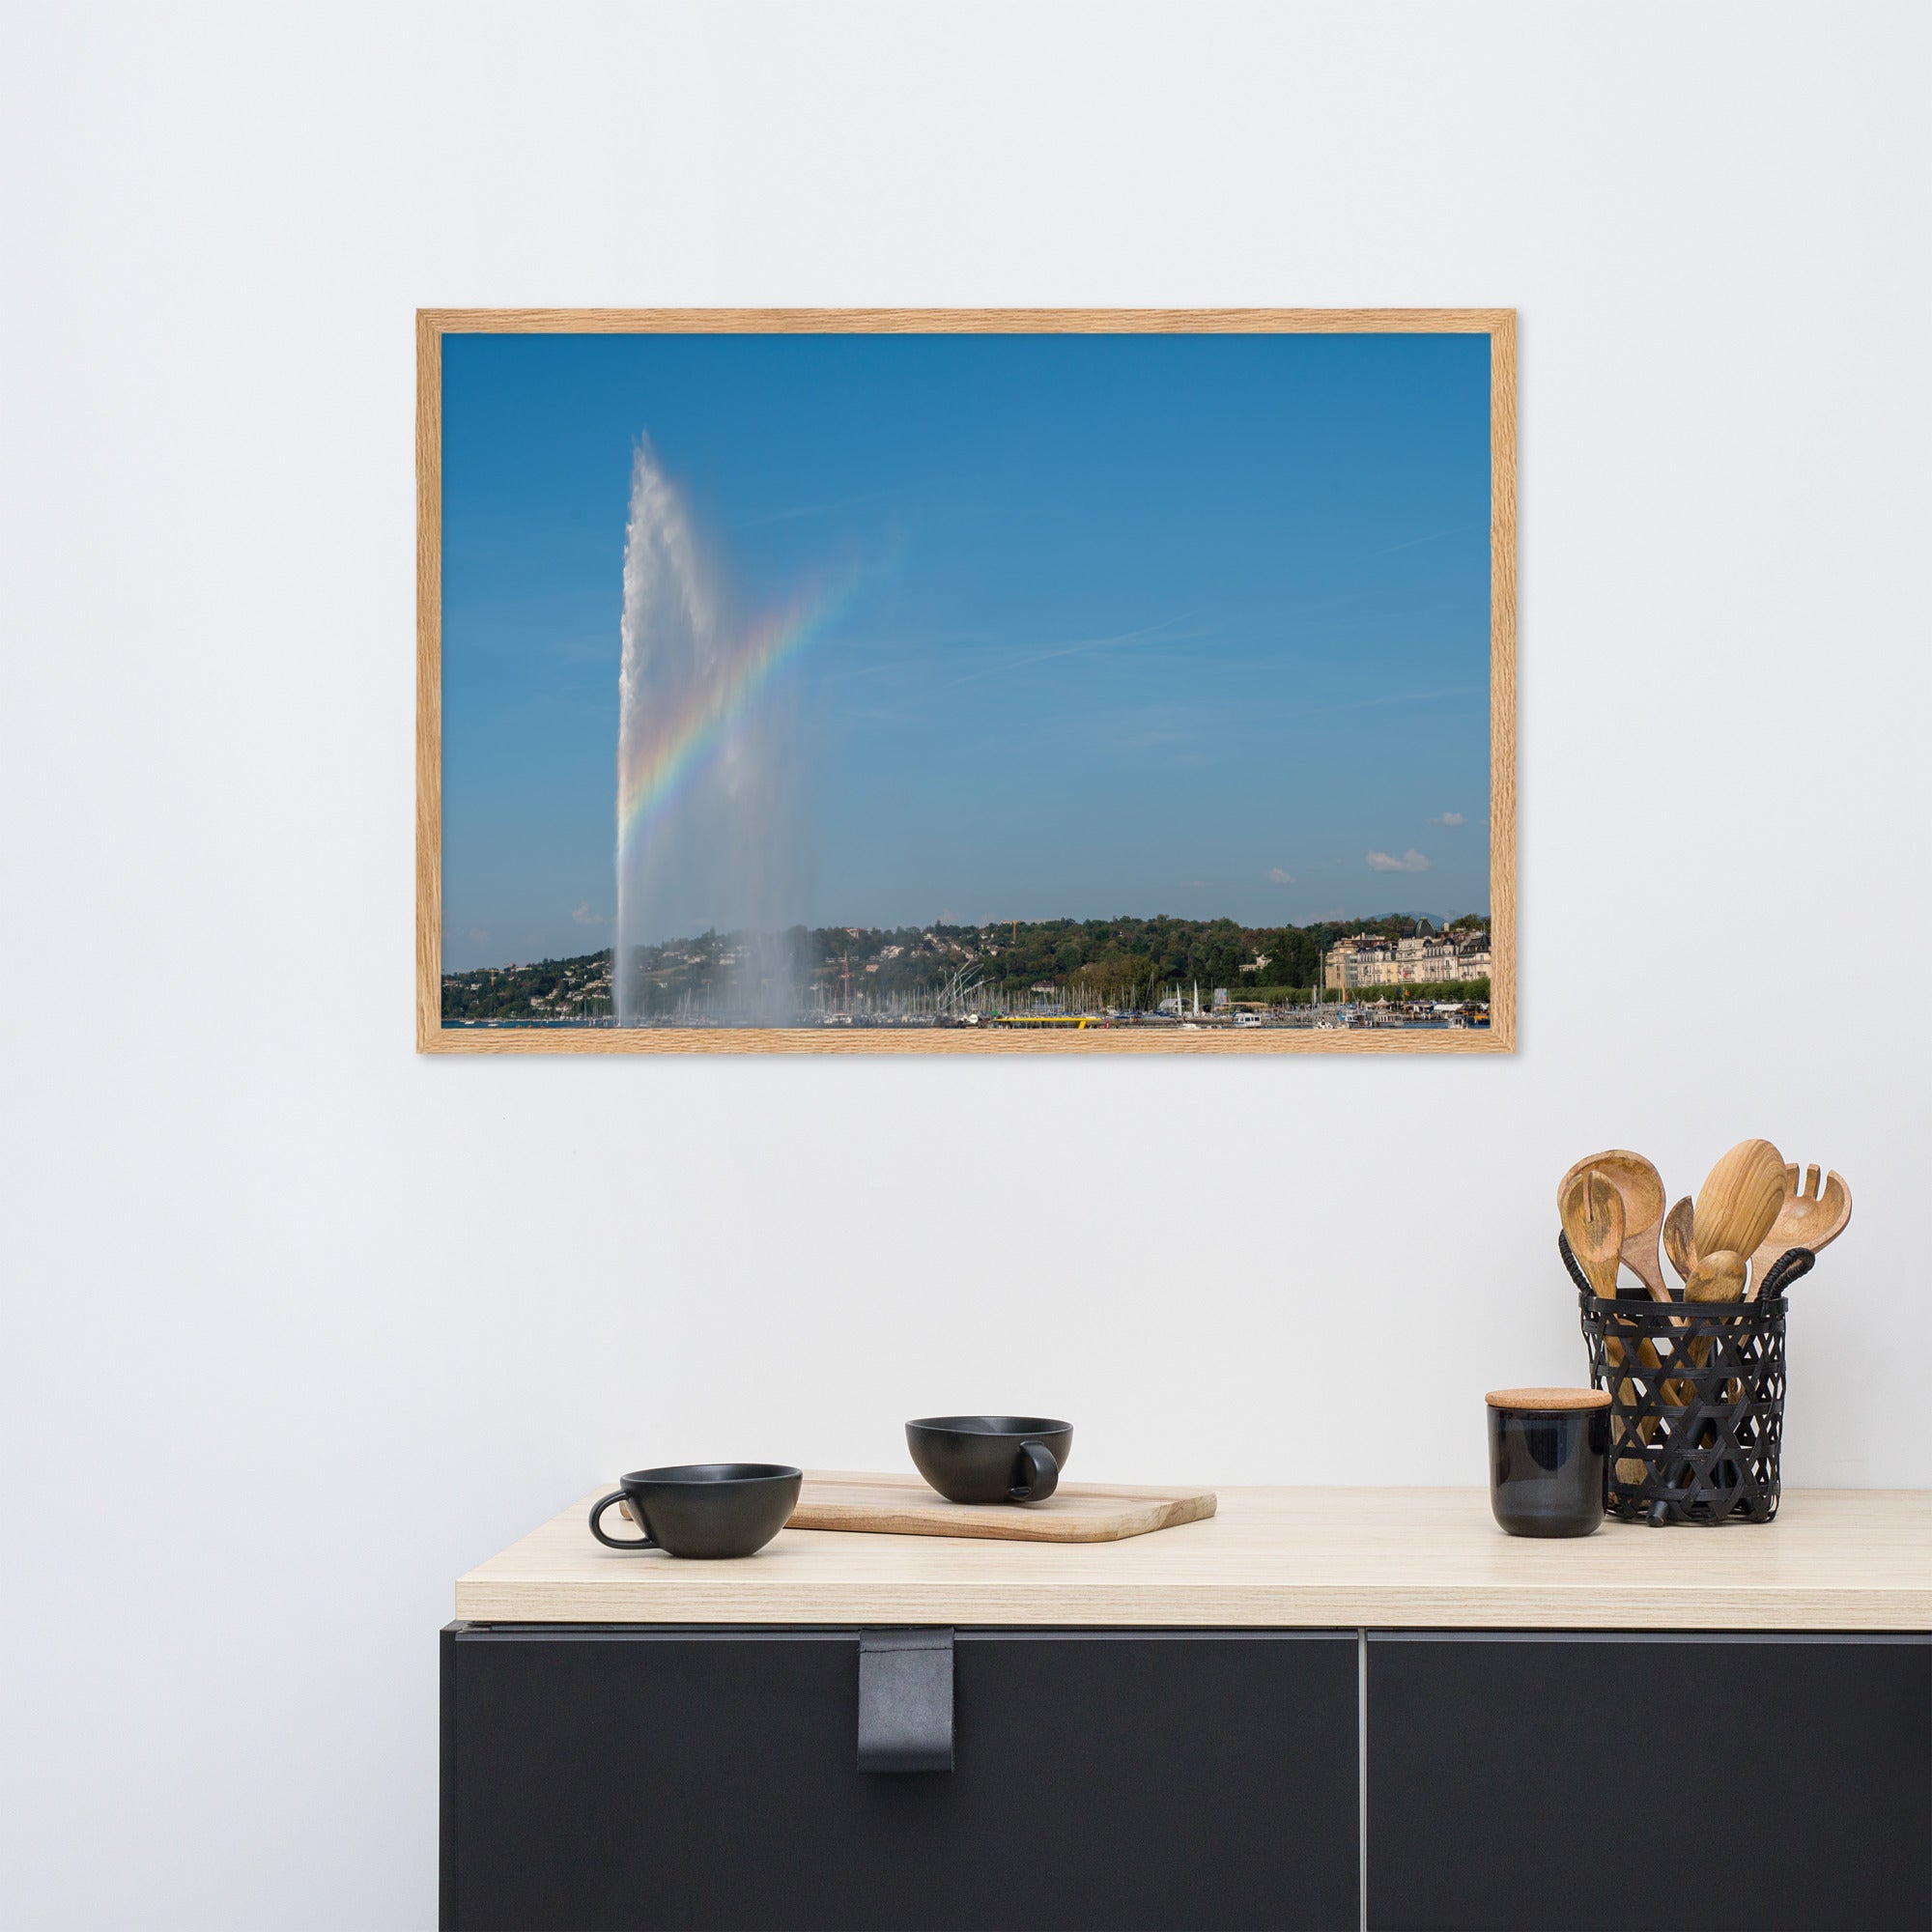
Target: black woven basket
1696	1400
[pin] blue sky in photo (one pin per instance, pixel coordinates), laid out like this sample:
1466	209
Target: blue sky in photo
1142	623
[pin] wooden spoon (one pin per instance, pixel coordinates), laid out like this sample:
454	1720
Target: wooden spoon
1717	1277
1641	1187
1680	1238
1739	1200
1808	1217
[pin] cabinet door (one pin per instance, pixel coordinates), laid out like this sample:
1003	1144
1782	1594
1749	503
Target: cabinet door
602	1778
1610	1783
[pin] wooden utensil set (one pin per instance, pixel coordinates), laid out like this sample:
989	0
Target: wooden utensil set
1752	1211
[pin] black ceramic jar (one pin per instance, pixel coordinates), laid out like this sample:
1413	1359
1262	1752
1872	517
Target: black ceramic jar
1548	1459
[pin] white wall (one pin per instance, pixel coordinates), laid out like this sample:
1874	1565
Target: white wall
298	1326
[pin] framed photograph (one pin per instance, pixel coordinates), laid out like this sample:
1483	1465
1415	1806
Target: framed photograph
984	681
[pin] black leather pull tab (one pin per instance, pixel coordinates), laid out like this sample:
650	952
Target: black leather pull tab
905	1700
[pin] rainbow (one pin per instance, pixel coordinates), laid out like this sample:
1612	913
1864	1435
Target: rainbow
654	770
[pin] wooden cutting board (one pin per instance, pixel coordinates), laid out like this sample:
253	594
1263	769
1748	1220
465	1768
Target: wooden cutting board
1075	1512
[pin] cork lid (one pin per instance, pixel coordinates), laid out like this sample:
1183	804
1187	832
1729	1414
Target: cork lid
1548	1401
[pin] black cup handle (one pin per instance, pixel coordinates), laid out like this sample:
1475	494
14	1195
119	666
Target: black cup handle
597	1510
1041	1474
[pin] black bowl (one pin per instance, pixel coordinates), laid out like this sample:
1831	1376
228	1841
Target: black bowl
990	1459
703	1509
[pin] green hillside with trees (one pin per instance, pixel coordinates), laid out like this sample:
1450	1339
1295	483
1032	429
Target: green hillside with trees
1105	960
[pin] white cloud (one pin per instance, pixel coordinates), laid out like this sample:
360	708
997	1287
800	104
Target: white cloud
1280	878
583	916
1410	860
1450	818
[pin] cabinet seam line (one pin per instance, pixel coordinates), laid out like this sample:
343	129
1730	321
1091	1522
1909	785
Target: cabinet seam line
1362	1778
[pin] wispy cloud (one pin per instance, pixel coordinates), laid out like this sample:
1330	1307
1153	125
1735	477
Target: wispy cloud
583	916
1370	703
1450	818
1434	536
1410	860
1278	877
1167	631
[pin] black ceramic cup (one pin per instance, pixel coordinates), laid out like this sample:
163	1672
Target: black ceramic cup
702	1509
990	1459
1548	1459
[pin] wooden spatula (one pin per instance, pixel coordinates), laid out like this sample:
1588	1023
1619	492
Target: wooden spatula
1739	1199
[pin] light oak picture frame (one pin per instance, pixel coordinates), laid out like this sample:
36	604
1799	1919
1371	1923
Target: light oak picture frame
433	1037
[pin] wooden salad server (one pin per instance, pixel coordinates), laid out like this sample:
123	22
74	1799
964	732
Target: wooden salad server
1592	1211
1810	1216
1641	1187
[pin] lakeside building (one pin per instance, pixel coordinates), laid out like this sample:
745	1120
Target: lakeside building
1366	959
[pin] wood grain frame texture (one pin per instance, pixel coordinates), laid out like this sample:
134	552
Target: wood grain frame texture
432	325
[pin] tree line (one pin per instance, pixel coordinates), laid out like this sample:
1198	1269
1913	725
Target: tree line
1123	960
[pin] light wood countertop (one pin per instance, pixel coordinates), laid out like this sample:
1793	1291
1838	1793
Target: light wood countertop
1834	1559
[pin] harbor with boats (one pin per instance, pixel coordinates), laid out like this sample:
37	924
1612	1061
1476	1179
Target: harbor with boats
1356	1015
1156	975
